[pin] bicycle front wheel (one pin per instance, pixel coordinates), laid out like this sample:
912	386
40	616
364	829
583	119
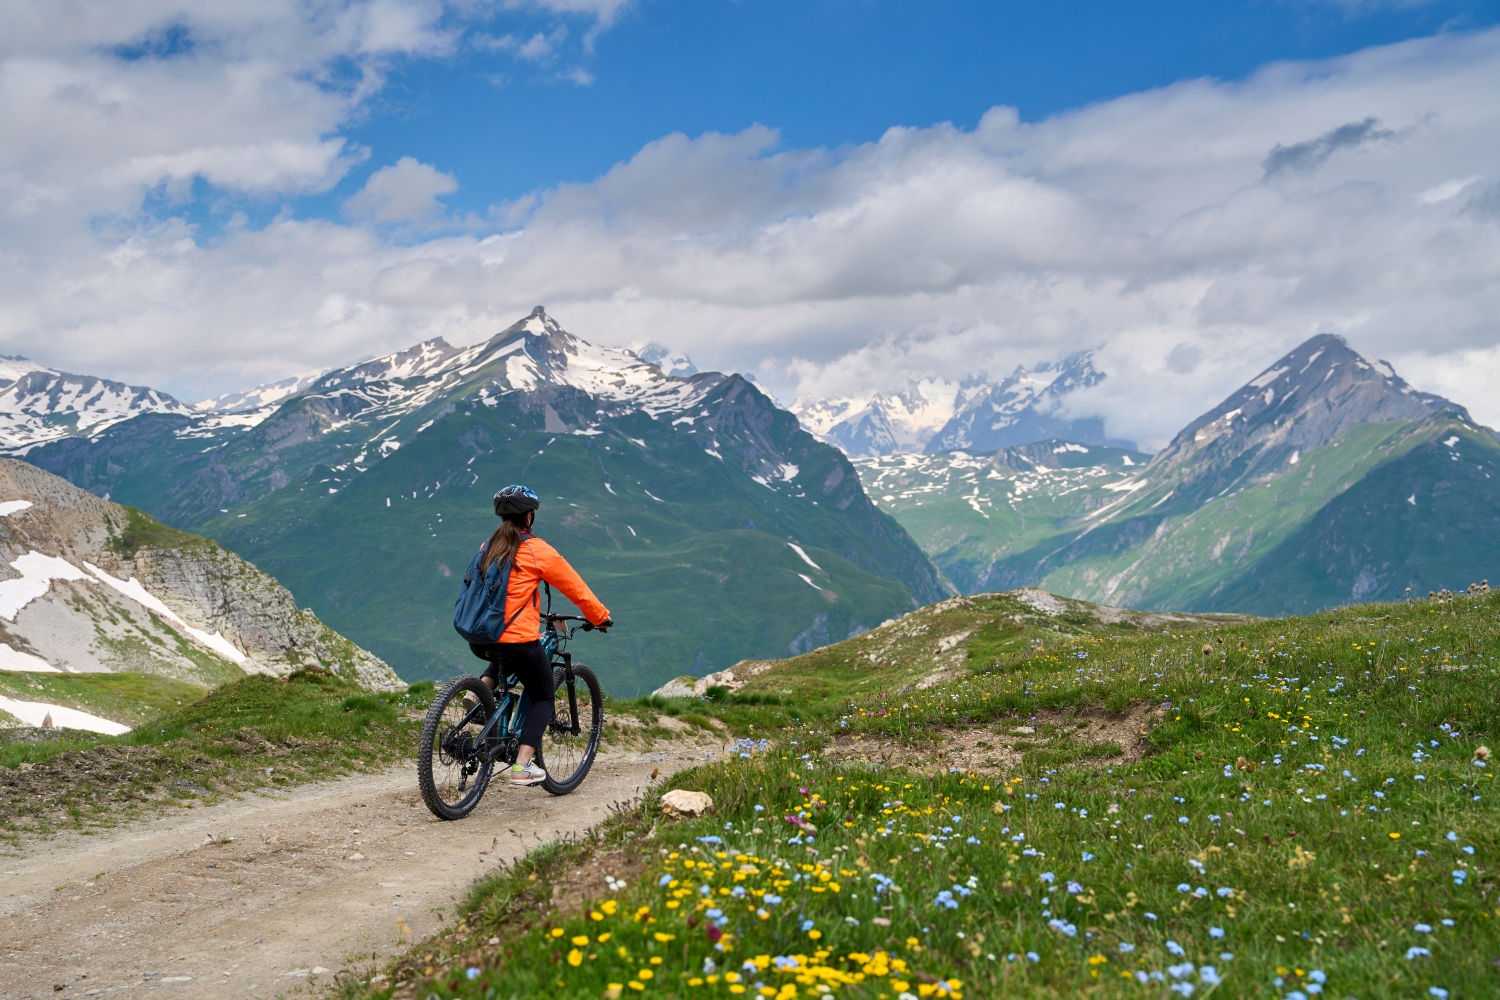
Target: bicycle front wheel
567	754
452	768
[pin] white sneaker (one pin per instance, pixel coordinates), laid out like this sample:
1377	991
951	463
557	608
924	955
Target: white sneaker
531	774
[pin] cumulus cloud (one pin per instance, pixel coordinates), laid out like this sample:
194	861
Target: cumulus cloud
407	191
1148	227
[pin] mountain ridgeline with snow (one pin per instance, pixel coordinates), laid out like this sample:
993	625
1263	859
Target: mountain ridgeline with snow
1325	479
935	415
713	526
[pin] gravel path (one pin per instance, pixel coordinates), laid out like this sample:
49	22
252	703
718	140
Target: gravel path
324	879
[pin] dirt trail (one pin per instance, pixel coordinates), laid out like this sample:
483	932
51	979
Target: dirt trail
325	878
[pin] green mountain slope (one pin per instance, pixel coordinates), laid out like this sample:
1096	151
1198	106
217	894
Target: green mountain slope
678	498
1426	519
698	579
971	513
1193	556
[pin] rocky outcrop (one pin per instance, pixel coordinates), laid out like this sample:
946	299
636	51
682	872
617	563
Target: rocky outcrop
88	585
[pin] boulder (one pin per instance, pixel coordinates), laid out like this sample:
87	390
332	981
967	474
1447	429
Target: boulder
682	804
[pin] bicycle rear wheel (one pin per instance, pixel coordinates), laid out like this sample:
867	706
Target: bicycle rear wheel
567	756
451	768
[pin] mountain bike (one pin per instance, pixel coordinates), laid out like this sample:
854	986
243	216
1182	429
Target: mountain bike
469	728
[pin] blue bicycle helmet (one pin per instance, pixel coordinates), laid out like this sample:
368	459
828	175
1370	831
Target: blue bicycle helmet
515	500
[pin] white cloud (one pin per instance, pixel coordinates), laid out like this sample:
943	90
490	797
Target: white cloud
1151	226
406	191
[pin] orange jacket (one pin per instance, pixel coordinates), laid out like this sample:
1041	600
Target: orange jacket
537	561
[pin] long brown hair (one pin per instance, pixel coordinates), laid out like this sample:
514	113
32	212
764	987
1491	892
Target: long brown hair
504	542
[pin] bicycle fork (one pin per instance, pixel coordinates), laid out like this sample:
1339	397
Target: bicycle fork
567	665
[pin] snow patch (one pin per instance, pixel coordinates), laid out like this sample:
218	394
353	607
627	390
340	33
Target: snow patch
33	712
132	589
10	507
37	573
1267	377
1450	442
805	558
1069	446
809	581
14	659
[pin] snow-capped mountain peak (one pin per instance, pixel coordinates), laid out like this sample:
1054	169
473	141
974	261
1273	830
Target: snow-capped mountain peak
932	414
265	394
899	419
662	357
40	404
1025	408
13	367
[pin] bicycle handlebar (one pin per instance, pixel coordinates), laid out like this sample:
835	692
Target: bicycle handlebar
587	626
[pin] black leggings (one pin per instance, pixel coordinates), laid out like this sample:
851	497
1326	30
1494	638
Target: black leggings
528	661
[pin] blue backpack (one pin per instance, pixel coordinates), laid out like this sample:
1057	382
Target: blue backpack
479	614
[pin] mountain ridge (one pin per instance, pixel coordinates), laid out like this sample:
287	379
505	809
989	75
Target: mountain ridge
649	467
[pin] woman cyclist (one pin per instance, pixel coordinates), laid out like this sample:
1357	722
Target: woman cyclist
518	648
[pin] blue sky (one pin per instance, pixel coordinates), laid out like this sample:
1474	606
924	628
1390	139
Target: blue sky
836	195
826	73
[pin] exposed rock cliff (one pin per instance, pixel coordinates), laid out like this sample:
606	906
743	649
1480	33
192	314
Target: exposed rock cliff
88	585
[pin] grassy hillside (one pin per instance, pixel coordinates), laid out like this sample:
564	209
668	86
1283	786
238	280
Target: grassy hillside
1309	811
255	733
1429	518
128	698
1195	554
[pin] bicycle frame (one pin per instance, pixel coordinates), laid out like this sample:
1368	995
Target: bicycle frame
501	735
